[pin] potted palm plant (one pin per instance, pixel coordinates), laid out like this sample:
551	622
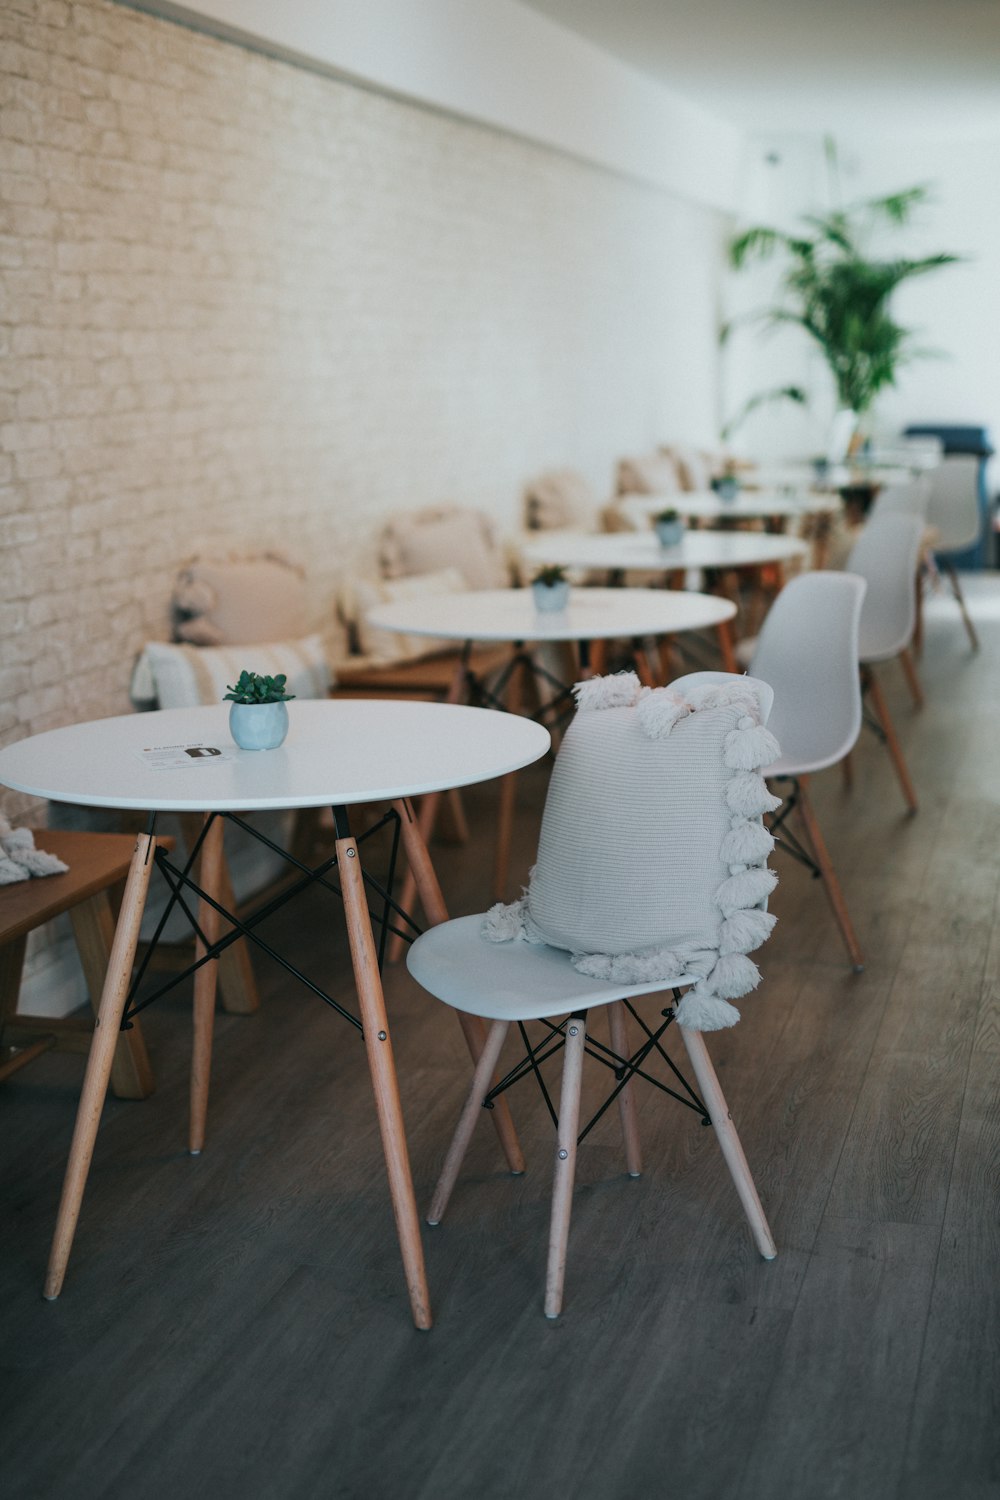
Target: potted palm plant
258	718
840	294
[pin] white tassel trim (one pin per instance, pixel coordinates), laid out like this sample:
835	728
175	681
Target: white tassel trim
746	843
705	1012
618	690
745	930
658	711
748	888
750	746
19	859
747	795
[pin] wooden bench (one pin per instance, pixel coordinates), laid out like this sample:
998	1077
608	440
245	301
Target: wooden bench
98	863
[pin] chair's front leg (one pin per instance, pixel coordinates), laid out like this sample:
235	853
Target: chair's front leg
565	1168
618	1026
102	1051
729	1141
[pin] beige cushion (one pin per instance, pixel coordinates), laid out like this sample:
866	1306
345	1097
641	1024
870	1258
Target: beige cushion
426	541
181	676
654	474
380	646
694	468
216	603
560	498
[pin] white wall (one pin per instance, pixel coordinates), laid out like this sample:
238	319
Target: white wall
504	65
955	311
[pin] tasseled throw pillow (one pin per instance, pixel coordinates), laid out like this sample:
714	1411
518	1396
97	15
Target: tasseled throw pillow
652	861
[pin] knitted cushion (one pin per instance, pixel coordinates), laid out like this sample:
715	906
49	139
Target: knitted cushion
559	498
652	856
653	474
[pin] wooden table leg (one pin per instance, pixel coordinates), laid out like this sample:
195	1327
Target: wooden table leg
473	1027
100	1060
383	1074
205	981
508	791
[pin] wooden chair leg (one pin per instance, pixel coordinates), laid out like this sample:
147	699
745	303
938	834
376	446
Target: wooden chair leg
912	680
426	819
729	1141
205	980
565	1168
482	1082
725	638
473	1027
956	589
458	827
847	772
94	931
618	1025
100	1059
829	875
892	744
378	1045
918	624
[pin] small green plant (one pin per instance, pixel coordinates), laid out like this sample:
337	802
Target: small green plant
252	688
664	517
550	576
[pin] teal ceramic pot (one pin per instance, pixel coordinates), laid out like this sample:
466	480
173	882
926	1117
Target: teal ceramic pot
670	533
258	726
550	597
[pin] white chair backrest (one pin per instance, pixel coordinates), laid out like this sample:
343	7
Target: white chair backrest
953	506
808	651
886	556
908	499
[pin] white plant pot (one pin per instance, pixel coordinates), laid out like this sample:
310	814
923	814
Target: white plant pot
258	726
550	597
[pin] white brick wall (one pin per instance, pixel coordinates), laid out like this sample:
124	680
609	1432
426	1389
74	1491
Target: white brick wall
242	304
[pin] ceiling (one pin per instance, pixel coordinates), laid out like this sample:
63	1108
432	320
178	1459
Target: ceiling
899	67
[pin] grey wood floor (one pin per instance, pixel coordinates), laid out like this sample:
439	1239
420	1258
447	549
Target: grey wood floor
236	1325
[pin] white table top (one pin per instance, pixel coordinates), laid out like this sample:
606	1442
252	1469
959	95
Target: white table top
335	754
640	550
838	476
747	505
592	615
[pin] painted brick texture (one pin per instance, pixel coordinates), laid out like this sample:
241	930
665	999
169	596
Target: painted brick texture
245	305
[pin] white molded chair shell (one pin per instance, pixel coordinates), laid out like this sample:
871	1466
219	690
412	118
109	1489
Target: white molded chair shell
511	981
886	556
808	651
909	499
953	505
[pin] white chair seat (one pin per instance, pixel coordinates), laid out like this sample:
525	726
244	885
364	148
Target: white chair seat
511	981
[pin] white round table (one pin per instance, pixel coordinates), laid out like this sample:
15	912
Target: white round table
591	615
622	552
336	754
746	505
835	477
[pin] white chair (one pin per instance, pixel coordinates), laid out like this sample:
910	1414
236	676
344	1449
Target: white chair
807	651
910	498
520	981
953	512
886	556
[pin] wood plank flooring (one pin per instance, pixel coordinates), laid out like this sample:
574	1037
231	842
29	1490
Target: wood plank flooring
237	1325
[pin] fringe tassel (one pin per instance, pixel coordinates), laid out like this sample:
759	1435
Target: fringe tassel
618	690
750	746
747	795
746	843
705	1012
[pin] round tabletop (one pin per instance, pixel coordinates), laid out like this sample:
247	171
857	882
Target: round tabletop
746	505
336	754
832	479
625	550
591	615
